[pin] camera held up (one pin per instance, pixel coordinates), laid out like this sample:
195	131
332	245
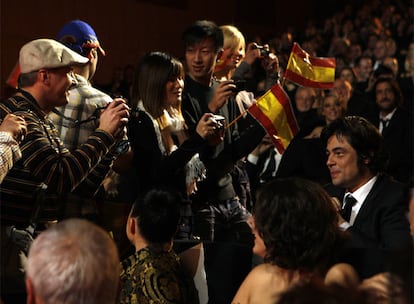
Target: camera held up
264	51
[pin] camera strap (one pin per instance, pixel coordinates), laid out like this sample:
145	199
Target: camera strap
77	122
39	198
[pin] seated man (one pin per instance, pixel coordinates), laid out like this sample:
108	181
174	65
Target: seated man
154	274
73	261
372	205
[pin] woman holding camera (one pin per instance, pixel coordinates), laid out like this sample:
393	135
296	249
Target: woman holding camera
164	154
255	66
239	63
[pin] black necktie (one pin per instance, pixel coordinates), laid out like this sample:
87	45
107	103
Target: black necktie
347	209
384	123
269	172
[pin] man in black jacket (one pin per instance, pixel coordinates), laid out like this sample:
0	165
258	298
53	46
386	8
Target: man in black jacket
396	126
219	216
374	206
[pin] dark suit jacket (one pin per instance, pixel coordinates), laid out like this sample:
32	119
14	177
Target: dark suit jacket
381	227
152	168
305	158
254	172
398	142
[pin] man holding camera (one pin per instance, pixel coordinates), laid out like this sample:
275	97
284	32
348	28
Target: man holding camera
219	216
73	120
30	193
78	119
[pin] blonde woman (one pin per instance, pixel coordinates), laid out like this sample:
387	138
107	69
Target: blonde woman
241	63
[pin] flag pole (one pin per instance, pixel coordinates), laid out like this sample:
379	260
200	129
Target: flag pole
287	66
236	119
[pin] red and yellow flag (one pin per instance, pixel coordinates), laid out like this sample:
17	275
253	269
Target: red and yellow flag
274	112
308	71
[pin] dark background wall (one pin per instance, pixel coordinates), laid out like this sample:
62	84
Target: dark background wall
129	28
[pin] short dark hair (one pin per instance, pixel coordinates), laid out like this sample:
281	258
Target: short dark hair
158	213
203	29
360	58
363	136
394	86
298	224
383	71
27	79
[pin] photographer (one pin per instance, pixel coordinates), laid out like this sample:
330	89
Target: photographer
259	68
77	120
30	191
220	218
241	64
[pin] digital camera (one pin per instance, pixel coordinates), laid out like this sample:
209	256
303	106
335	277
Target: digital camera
240	86
264	52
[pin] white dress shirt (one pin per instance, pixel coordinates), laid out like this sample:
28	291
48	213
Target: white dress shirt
360	195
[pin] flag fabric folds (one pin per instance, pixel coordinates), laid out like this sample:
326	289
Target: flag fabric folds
274	112
308	71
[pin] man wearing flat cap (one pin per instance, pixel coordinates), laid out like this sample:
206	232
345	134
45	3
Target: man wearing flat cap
30	193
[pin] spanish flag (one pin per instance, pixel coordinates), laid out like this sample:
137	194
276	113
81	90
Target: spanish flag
308	71
274	112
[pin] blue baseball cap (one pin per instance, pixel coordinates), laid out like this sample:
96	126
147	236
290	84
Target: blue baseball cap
78	35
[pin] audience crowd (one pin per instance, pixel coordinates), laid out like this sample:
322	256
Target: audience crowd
160	187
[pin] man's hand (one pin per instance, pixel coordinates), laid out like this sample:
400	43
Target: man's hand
15	125
115	117
223	91
252	53
265	145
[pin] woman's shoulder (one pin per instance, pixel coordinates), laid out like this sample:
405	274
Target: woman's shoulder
263	274
260	286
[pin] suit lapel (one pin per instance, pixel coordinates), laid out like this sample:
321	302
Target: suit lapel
370	201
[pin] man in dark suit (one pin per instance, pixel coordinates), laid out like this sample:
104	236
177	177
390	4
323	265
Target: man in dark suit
373	205
396	127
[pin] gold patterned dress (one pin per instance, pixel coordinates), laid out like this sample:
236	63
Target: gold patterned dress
155	275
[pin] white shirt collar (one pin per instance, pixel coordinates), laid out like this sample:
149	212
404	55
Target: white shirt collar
360	195
389	115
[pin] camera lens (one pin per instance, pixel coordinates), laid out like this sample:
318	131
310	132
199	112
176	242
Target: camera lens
263	51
